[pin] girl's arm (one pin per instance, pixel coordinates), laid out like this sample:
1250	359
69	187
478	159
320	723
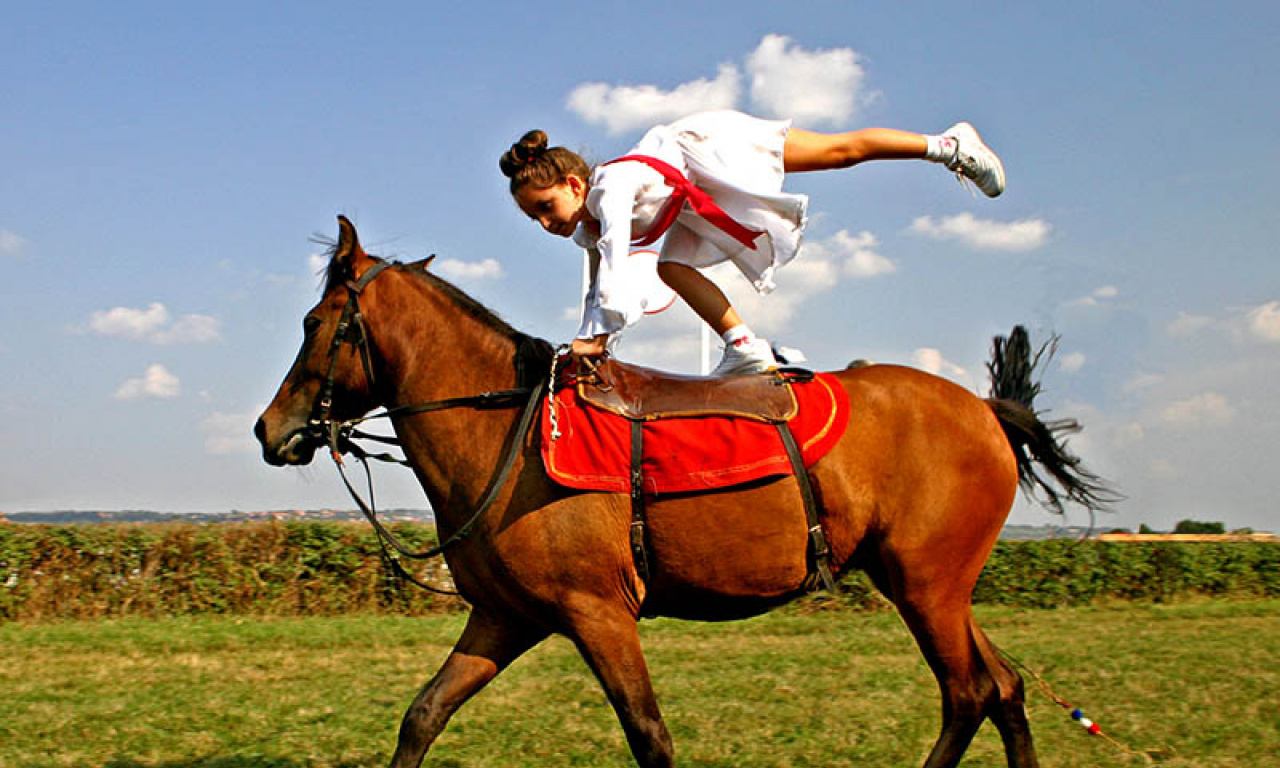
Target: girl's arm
592	347
612	301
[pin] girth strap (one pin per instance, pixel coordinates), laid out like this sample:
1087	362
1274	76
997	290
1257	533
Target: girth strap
638	550
819	552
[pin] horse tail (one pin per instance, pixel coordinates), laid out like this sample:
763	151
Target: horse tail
1036	442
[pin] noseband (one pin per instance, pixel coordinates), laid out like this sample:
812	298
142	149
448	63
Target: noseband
339	436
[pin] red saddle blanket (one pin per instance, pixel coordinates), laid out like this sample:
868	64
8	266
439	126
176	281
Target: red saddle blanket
684	455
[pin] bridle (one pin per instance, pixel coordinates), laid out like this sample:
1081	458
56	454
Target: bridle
339	436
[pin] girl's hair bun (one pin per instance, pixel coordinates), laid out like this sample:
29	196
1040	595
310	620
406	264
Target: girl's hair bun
531	162
525	152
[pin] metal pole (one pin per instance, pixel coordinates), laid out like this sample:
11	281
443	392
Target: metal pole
706	348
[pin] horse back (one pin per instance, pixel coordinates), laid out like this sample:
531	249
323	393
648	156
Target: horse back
923	479
922	471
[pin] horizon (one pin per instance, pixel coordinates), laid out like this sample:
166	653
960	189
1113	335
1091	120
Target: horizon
167	165
356	515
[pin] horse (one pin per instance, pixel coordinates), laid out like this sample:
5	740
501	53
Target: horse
915	494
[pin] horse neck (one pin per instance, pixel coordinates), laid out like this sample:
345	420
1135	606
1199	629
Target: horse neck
429	348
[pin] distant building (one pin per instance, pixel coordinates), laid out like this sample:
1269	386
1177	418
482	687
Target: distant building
1207	537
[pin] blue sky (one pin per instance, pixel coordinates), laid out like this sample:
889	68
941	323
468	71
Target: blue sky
164	166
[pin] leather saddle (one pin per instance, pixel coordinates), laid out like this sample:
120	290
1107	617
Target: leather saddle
643	394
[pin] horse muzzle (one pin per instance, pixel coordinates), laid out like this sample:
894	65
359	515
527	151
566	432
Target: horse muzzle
296	448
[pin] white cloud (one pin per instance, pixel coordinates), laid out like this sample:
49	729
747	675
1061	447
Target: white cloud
189	329
1095	299
984	234
814	269
1207	409
820	266
11	244
931	360
317	263
130	323
1071	362
1264	321
228	433
1186	324
788	81
679	350
860	254
1142	381
853	255
157	382
155	325
489	269
1127	434
622	108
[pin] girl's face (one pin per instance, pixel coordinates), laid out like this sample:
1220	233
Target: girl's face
558	208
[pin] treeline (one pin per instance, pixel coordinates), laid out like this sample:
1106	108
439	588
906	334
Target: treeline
321	568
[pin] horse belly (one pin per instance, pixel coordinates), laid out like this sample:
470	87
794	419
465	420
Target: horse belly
727	554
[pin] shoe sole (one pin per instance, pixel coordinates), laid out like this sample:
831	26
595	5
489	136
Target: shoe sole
973	133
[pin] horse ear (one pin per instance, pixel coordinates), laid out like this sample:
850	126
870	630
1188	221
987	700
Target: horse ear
348	243
427	261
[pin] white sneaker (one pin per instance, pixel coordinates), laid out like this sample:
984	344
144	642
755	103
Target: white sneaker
975	161
754	356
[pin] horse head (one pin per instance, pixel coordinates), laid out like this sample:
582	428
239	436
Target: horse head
332	377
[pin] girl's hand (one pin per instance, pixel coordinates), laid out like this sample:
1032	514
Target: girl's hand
593	347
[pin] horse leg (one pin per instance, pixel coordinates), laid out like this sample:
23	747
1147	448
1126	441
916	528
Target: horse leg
485	648
941	631
943	638
609	641
975	683
1009	713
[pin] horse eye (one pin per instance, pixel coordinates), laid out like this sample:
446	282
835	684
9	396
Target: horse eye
310	324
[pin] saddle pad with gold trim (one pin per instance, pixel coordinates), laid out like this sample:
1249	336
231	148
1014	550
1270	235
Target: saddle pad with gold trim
686	455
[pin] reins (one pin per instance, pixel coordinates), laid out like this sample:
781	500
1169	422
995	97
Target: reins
339	436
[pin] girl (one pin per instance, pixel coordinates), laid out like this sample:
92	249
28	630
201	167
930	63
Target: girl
728	167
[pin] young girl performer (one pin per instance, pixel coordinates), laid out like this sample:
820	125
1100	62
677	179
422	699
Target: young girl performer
712	184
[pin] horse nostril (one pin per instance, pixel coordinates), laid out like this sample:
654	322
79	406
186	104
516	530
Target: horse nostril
260	431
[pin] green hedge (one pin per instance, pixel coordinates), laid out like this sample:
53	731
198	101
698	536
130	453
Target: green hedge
297	568
1065	572
281	568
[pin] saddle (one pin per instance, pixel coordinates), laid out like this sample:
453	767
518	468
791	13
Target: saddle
623	428
638	393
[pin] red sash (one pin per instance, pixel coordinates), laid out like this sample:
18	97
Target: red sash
699	200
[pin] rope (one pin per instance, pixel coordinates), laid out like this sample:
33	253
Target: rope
1149	756
551	391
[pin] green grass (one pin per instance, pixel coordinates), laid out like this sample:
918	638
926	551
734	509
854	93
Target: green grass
830	688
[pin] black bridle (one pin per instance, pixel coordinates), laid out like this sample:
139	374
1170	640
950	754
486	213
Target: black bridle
339	436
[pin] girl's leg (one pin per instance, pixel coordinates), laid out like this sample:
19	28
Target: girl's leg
810	151
744	352
701	294
959	148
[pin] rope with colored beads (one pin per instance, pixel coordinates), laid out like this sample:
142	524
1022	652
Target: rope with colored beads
1150	756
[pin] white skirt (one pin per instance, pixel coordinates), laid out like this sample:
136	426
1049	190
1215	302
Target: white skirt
737	159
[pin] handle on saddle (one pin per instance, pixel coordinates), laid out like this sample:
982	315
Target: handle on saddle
595	376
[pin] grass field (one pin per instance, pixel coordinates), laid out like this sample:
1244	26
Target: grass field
1200	680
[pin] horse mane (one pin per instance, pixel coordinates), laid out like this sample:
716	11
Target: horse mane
533	355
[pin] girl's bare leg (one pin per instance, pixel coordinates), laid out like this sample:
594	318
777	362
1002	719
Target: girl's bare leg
701	294
809	151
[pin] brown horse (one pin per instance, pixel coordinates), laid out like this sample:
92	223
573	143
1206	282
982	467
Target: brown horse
915	494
